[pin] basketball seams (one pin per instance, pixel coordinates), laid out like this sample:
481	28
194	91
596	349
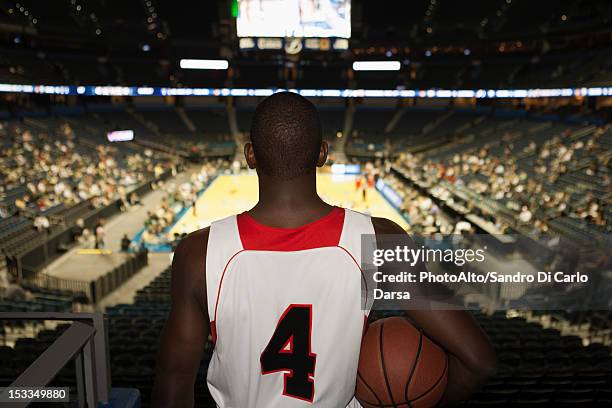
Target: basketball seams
435	387
384	369
360	378
434	384
413	369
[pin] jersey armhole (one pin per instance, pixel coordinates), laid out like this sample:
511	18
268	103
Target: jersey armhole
223	244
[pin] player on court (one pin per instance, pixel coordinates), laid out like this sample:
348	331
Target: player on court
279	289
370	182
357	183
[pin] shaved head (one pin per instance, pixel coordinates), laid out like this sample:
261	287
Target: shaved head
286	136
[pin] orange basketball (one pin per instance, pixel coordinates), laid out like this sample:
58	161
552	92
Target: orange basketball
400	367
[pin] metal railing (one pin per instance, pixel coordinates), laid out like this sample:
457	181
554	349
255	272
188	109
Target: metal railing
42	280
86	342
111	280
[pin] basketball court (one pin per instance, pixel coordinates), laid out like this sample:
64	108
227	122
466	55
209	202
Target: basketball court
232	194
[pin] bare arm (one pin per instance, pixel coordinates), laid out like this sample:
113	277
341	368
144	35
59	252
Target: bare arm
471	355
186	331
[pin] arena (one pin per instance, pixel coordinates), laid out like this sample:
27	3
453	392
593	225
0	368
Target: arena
481	128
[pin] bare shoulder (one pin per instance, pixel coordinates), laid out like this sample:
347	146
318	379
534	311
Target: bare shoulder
189	266
193	247
384	226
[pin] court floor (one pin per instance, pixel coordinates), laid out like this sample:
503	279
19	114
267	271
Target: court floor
232	194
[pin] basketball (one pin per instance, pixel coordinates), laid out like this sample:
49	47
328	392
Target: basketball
399	366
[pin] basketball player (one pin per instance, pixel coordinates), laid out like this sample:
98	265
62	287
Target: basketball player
364	189
279	289
370	180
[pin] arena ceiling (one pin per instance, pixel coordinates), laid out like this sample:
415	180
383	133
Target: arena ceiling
209	23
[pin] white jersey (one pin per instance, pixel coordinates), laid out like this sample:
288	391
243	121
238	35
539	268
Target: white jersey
287	311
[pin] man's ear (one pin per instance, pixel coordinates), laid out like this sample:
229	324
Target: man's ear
249	155
323	154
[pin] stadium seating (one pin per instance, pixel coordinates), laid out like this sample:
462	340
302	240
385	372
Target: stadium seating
536	365
526	142
539	366
46	136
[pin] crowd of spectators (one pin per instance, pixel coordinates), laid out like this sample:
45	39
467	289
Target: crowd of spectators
47	169
423	215
89	238
178	198
531	190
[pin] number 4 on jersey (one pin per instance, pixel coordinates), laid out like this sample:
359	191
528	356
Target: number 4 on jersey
289	350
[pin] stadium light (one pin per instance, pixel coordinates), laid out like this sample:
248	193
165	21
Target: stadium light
91	90
376	65
203	64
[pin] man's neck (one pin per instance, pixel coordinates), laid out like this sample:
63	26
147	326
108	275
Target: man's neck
289	203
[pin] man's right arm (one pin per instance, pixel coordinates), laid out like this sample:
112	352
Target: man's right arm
186	331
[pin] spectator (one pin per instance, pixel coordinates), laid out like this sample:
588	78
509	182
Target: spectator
134	199
14	291
4	211
78	228
87	239
125	243
99	234
525	215
41	223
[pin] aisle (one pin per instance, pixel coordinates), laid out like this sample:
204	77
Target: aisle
88	267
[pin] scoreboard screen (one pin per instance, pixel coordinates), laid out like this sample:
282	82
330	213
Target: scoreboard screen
294	18
120	136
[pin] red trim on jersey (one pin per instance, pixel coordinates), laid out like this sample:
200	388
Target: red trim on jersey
288	346
363	278
213	331
324	232
221	283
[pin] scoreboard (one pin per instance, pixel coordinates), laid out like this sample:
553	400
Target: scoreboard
293	45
